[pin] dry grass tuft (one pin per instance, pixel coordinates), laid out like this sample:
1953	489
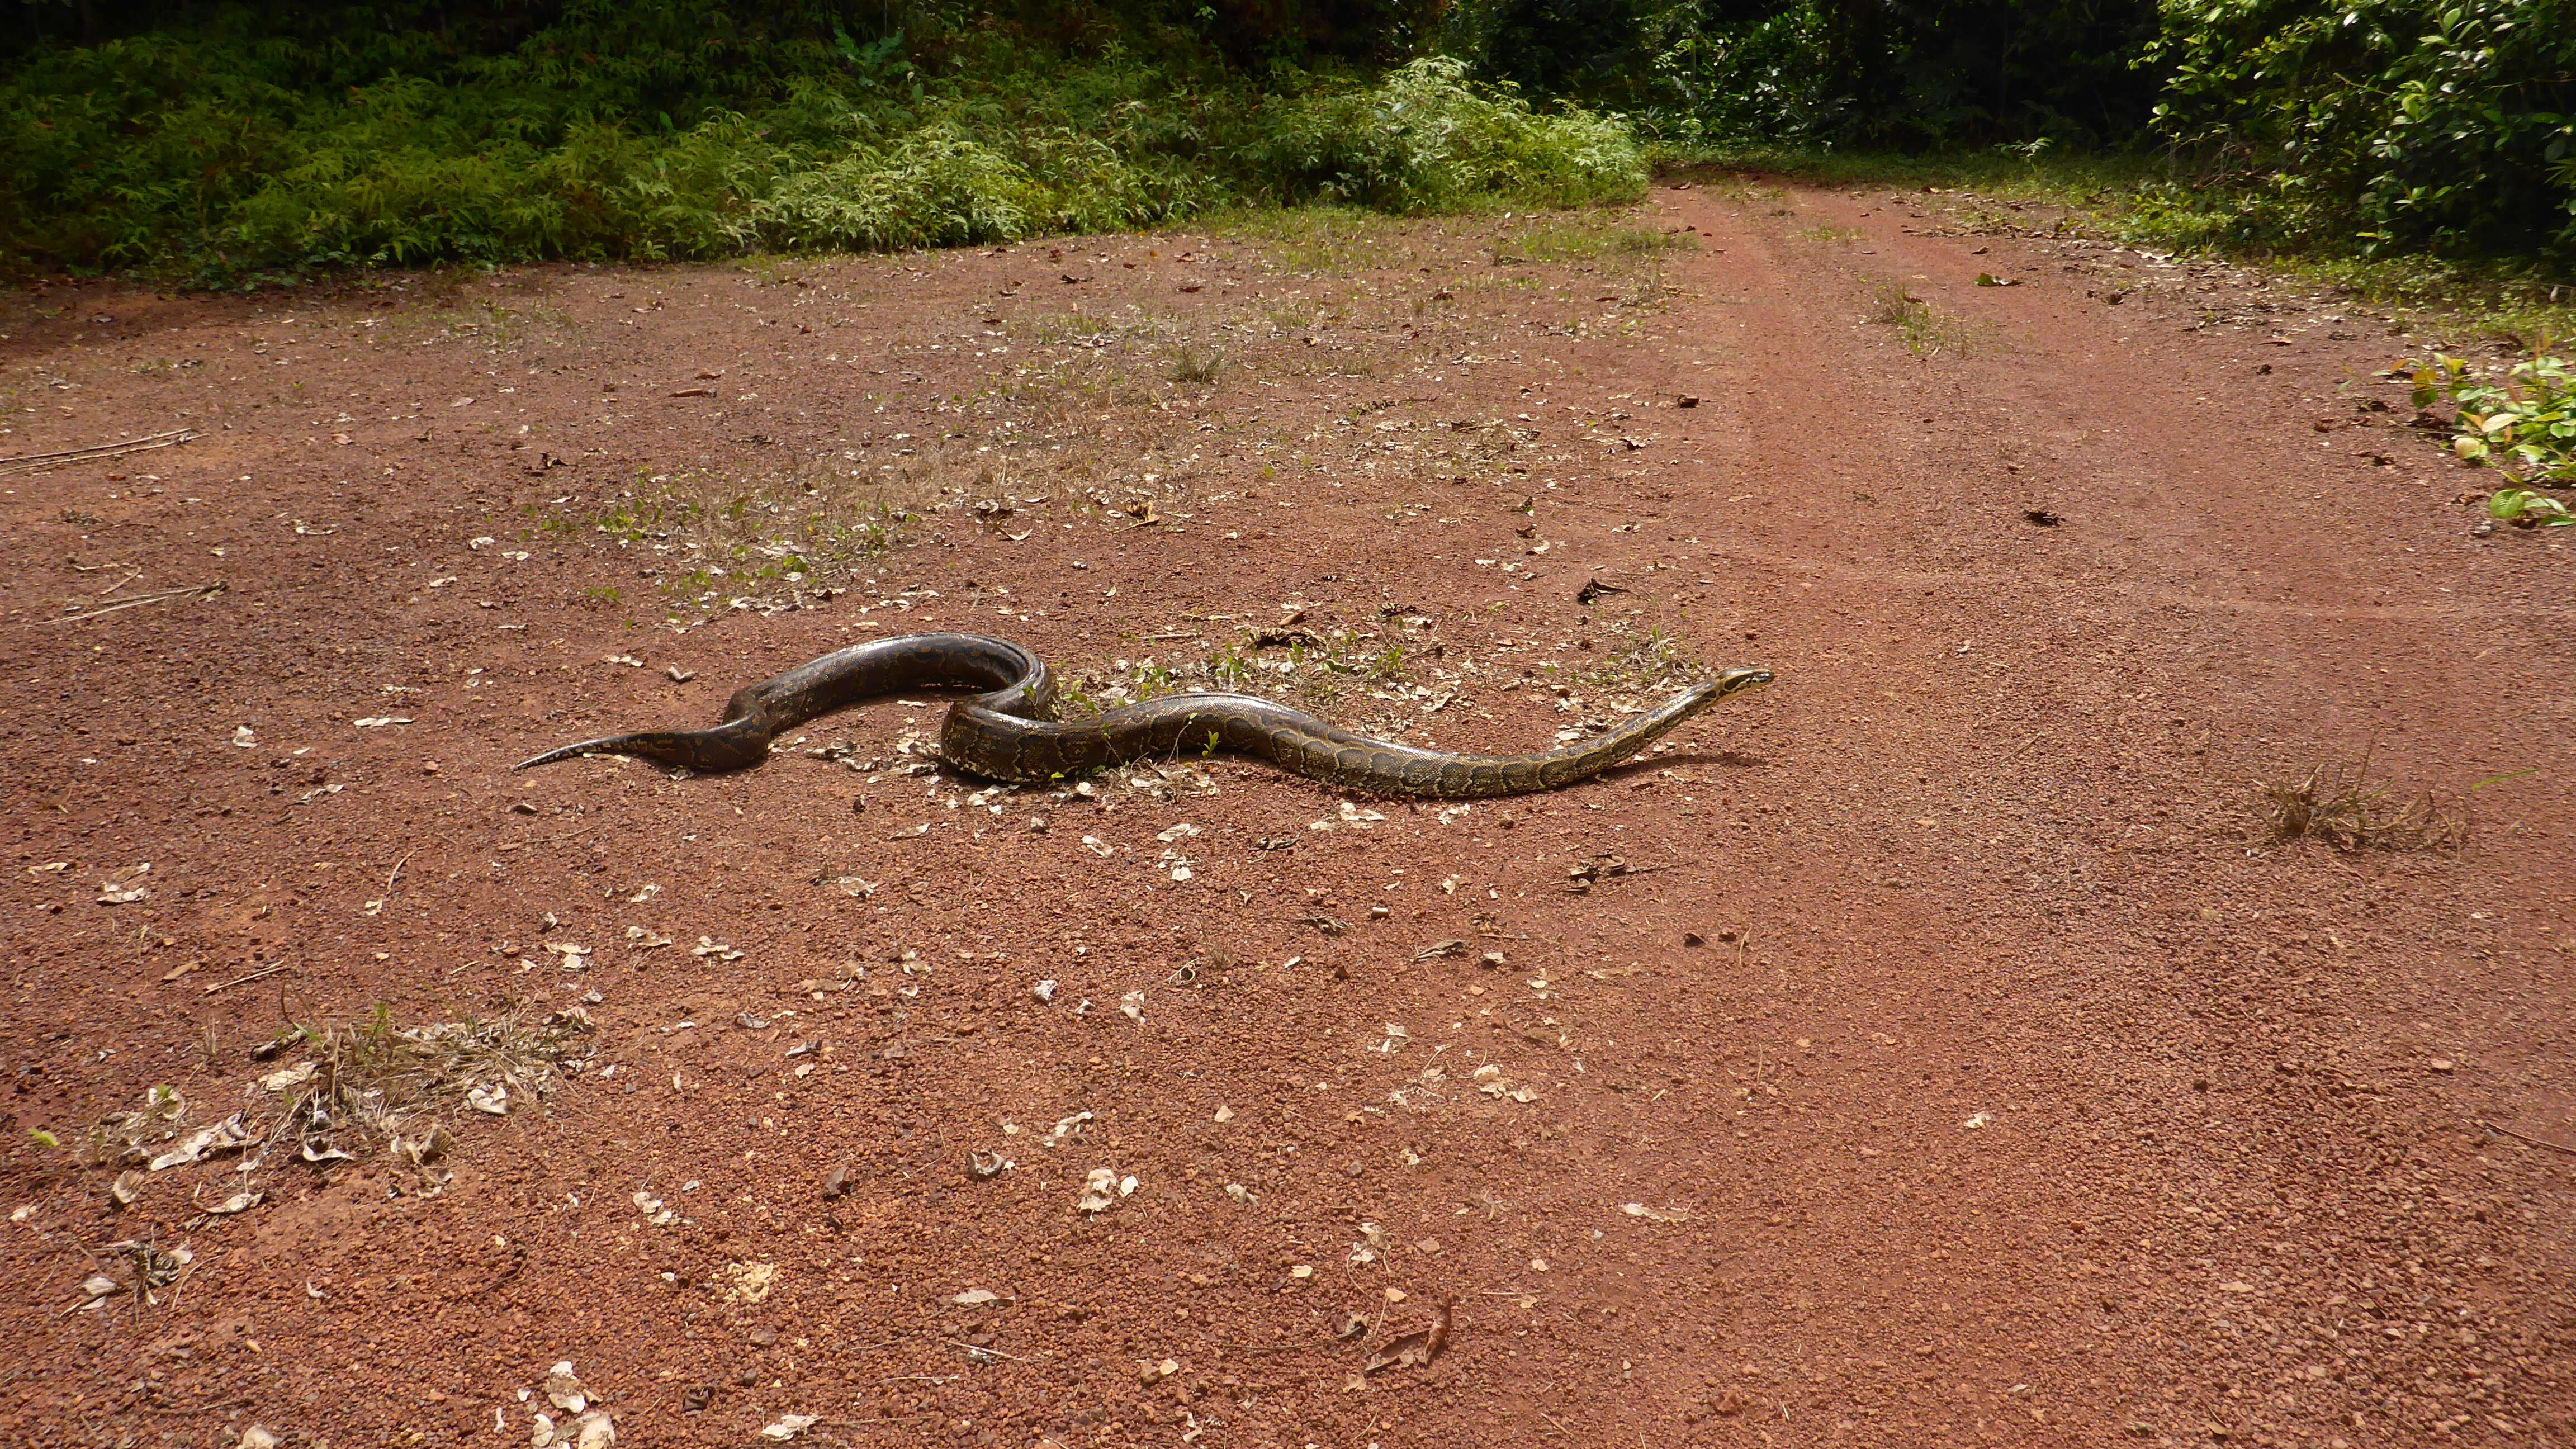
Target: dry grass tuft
2342	806
1195	366
362	1090
379	1087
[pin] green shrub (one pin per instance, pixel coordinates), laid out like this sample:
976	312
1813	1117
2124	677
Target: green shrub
1921	73
2405	124
231	153
1425	140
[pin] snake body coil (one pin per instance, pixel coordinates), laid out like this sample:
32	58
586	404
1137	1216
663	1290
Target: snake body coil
1009	731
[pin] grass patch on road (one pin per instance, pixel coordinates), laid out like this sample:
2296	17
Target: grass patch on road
1926	331
2343	806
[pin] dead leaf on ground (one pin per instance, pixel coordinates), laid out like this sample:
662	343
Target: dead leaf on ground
564	1390
118	887
592	1430
1418	1348
1099	1190
224	1136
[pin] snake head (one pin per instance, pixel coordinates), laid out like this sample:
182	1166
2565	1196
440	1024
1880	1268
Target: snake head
1733	682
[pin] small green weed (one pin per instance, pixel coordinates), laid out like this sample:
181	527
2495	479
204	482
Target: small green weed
1231	669
1583	236
759	538
1927	333
1648	661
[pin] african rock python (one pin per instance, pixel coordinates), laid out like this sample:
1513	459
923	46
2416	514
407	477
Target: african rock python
1010	732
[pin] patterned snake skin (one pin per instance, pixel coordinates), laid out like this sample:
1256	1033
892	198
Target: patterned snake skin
1009	732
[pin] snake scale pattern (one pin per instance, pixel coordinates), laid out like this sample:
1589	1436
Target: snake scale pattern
1008	730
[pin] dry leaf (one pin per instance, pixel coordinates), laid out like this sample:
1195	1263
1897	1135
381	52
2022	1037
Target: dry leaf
1099	1190
565	1391
118	887
1416	1349
294	1076
224	1136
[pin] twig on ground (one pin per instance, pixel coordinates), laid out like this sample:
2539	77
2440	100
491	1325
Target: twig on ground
33	461
398	865
243	980
2534	1141
193	591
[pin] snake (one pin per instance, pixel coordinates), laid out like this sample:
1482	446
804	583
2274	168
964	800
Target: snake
1008	730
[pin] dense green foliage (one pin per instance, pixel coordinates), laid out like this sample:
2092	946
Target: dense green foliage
2379	126
696	129
222	140
2447	126
1907	73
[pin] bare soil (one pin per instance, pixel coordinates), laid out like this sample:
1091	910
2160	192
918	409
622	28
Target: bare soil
1928	1049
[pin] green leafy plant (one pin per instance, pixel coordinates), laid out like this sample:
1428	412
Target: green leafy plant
2528	509
2442	125
2526	421
248	147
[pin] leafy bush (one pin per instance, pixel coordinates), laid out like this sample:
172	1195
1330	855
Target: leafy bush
1910	73
2529	420
232	152
2443	125
1425	140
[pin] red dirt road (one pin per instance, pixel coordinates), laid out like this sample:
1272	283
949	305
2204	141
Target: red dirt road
1941	1060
